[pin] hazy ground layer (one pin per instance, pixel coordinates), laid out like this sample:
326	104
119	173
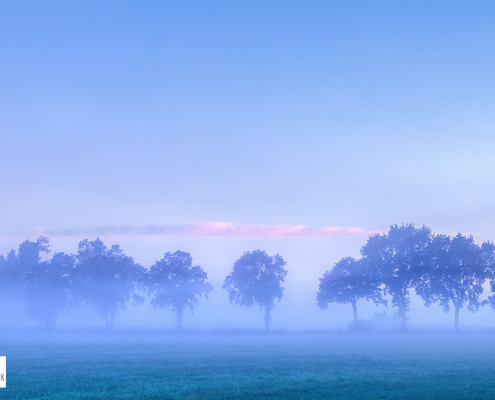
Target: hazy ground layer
250	365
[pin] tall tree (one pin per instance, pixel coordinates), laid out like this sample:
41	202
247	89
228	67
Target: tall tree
105	278
398	257
46	289
13	271
454	274
488	250
256	278
347	282
29	253
174	282
10	275
15	267
10	288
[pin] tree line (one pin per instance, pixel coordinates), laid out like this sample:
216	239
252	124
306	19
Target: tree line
443	269
107	279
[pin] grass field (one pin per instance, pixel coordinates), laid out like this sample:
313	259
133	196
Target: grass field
290	365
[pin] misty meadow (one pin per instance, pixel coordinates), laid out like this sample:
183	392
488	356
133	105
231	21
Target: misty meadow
362	361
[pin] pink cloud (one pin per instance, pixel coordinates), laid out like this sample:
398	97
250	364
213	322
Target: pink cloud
213	229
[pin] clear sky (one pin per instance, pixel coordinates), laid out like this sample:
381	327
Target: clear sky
116	115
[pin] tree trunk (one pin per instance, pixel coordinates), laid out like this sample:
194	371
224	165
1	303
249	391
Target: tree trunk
179	318
355	310
402	314
456	319
267	318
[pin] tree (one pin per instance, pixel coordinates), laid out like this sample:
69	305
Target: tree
347	282
174	282
13	270
10	288
455	273
488	252
256	279
29	253
105	278
397	258
10	274
15	267
46	290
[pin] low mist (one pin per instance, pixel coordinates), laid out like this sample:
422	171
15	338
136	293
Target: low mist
104	288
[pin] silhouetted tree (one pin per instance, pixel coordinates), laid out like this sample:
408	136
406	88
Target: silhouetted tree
10	275
256	279
347	282
455	273
397	258
488	254
175	282
14	267
46	289
29	253
488	251
105	278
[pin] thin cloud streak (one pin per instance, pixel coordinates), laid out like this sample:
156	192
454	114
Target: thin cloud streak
211	229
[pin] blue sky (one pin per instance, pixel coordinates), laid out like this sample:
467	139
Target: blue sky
322	114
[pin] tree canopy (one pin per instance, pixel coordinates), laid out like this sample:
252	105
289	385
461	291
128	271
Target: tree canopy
454	273
256	278
347	282
47	289
15	267
398	257
105	278
174	282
